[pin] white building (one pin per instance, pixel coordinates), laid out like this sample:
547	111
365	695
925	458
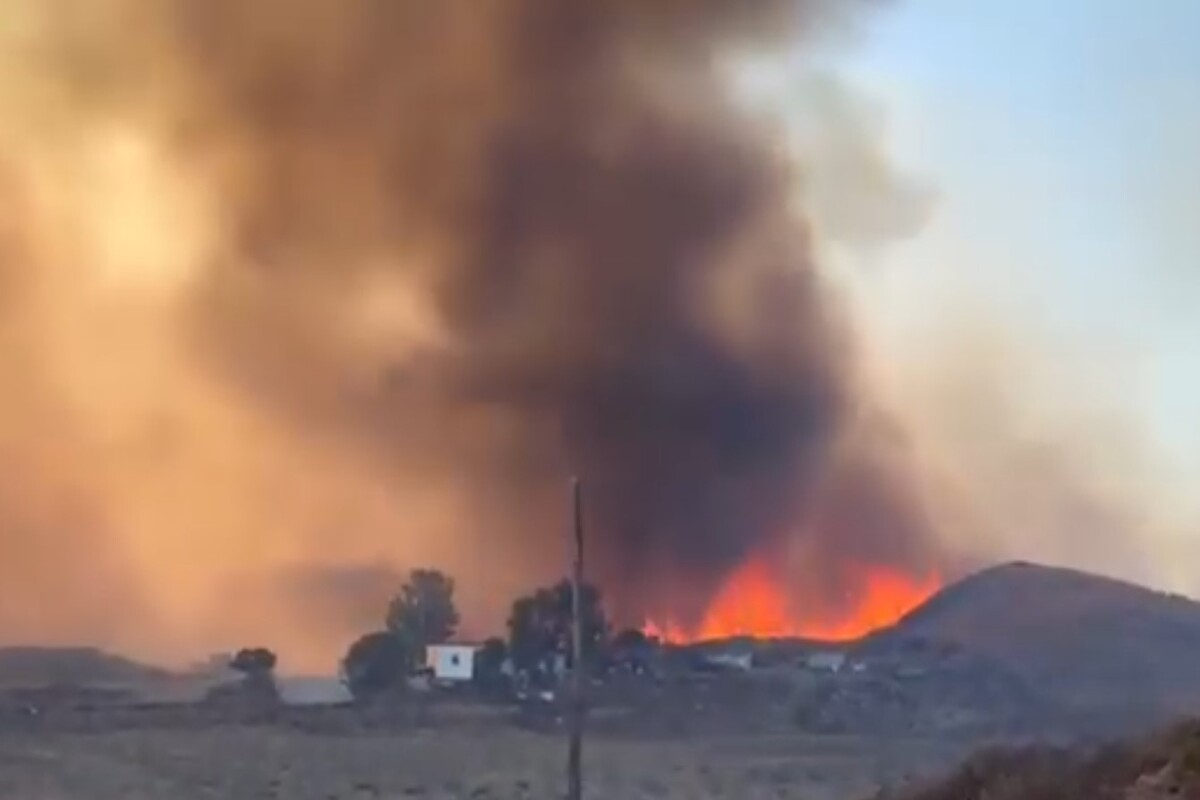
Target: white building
451	662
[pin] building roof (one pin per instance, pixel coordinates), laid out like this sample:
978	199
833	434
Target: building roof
472	645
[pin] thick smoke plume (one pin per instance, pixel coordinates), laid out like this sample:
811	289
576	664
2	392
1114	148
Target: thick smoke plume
304	285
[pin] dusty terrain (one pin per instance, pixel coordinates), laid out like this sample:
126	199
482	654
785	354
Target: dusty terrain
473	758
1014	654
233	763
1164	765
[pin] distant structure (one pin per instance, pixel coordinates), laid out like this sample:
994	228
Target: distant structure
313	691
742	662
826	662
451	663
214	668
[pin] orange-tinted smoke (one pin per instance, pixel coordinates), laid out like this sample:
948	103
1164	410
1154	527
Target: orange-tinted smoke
348	287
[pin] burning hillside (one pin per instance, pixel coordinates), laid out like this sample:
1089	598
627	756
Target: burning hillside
756	600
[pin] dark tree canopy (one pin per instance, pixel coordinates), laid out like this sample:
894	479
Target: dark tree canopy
540	625
489	663
257	668
492	654
630	639
424	612
375	664
254	661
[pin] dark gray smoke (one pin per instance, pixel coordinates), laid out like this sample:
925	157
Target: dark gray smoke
604	244
472	247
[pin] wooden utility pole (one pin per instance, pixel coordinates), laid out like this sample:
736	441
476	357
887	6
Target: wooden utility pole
575	717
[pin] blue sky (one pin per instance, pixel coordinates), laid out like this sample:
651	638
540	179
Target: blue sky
1063	139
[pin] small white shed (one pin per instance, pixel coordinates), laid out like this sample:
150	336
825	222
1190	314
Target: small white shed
451	662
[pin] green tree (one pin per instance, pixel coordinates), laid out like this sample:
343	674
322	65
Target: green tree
539	626
424	612
375	664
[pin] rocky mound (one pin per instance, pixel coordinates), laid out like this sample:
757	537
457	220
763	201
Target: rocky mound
24	667
925	689
1091	644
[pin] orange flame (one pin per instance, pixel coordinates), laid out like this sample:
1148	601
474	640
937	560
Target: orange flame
752	602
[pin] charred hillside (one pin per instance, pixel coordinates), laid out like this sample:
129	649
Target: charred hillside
1091	643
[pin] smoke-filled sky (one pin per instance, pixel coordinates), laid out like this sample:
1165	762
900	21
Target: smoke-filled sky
297	295
1062	140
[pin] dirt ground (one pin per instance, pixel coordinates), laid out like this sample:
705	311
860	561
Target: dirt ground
238	762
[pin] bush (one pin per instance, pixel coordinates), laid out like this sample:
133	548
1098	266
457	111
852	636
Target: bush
254	662
375	664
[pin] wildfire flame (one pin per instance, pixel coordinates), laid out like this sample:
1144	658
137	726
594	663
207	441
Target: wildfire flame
754	602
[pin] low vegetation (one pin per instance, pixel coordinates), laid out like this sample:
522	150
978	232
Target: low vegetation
256	687
1157	768
446	762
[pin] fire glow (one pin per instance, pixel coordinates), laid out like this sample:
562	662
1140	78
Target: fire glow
753	601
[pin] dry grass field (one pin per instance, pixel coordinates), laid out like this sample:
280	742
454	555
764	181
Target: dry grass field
237	762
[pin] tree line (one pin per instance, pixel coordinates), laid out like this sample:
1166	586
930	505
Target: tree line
424	613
